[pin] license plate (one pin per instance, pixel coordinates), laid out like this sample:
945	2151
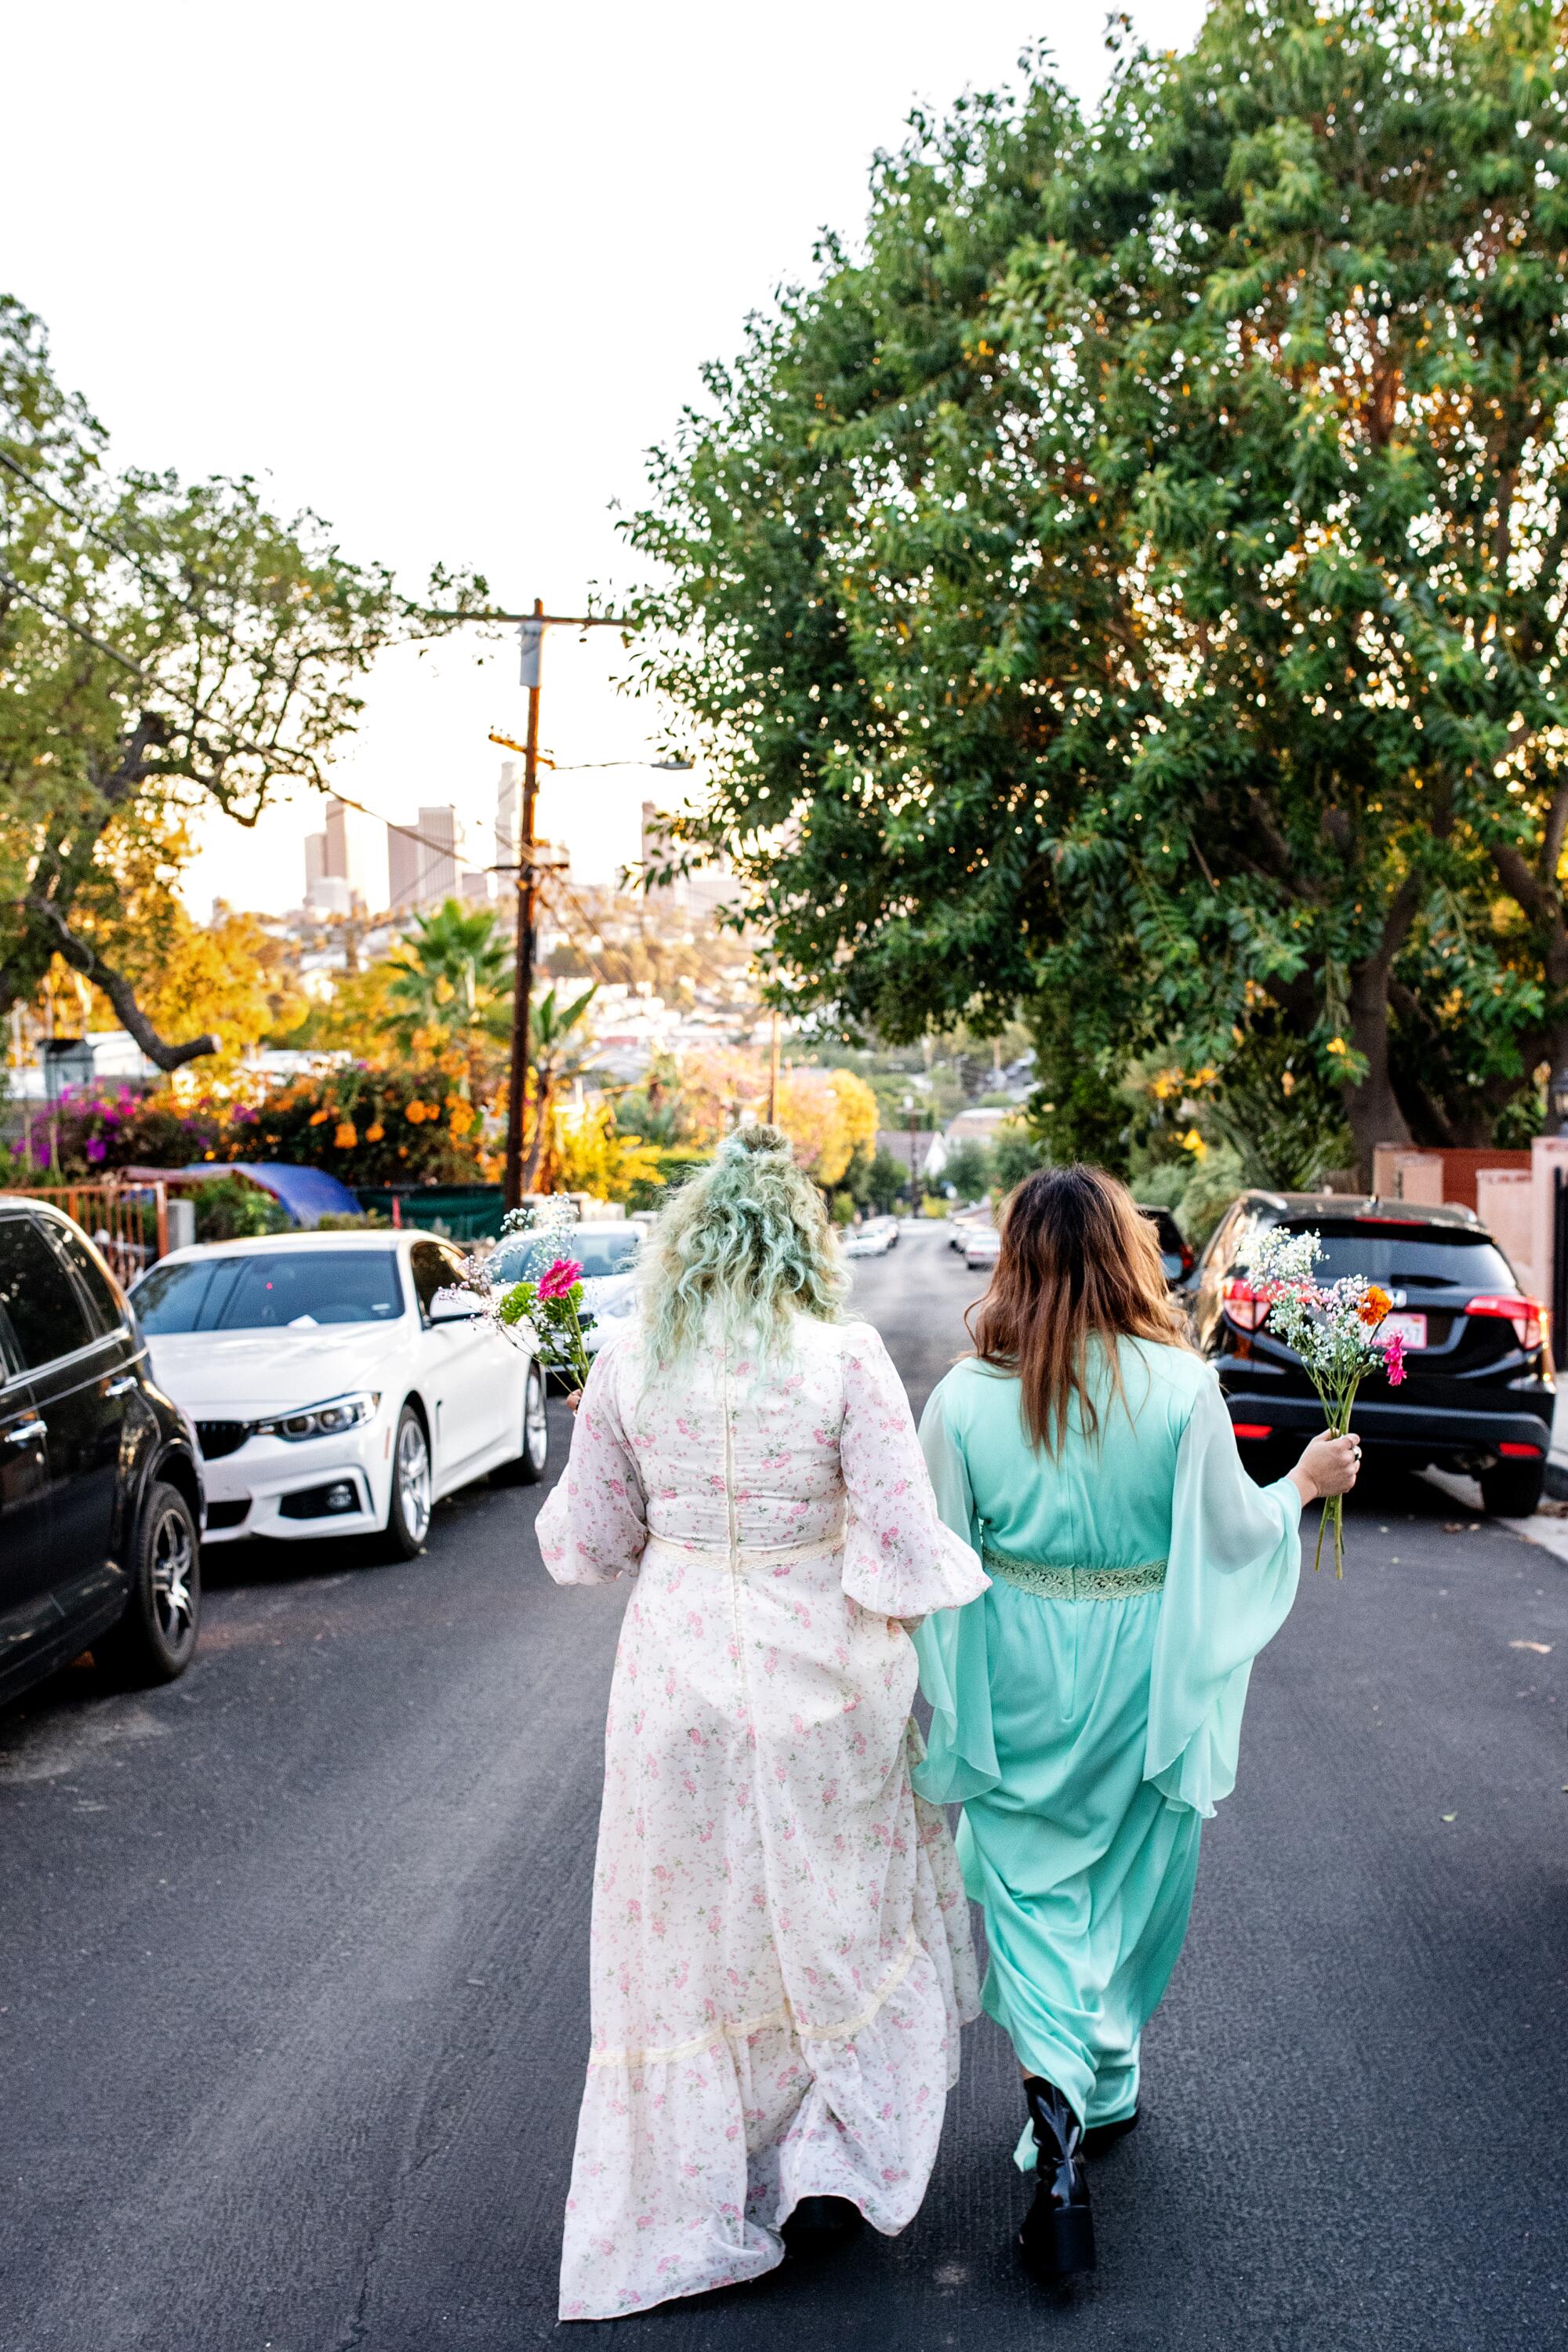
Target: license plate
1411	1329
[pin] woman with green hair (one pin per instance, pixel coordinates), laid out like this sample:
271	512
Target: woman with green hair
781	1957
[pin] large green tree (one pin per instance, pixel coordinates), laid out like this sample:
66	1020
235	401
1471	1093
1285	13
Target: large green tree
164	646
1130	585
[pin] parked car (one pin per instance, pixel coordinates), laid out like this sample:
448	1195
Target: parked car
101	1482
1479	1390
961	1222
335	1390
607	1254
1175	1250
870	1239
983	1247
883	1224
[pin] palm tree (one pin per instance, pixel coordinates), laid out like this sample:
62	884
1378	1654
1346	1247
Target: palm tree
454	974
559	1051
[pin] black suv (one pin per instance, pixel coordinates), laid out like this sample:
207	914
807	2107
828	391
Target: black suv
101	1487
1479	1391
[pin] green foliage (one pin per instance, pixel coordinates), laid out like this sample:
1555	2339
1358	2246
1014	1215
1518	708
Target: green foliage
1128	588
454	976
166	647
676	1167
970	1169
887	1181
1213	1185
231	1208
1279	1119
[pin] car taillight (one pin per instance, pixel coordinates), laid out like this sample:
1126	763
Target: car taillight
1530	1318
1521	1452
1246	1307
1253	1428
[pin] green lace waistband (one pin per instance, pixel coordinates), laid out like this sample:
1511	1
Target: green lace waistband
1050	1582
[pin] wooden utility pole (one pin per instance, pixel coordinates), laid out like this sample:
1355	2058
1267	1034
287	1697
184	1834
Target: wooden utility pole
527	894
773	1069
532	625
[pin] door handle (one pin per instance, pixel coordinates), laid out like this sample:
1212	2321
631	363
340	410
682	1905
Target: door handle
25	1431
119	1388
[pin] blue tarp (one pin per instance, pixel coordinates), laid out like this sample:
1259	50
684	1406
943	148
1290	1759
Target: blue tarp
308	1193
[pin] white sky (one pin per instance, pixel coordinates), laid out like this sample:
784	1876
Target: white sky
443	275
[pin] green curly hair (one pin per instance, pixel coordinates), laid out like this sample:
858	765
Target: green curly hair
746	1243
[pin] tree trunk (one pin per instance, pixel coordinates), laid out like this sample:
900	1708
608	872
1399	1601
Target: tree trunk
1373	1108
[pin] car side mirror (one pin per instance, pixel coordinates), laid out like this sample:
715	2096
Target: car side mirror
455	1307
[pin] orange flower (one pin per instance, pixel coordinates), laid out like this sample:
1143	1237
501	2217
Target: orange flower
374	1131
432	1110
1375	1306
415	1113
347	1135
319	1118
462	1118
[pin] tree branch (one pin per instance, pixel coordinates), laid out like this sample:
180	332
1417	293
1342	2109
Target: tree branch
121	995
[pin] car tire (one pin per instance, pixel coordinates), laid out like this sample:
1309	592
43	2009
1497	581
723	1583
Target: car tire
1512	1490
408	1505
528	1467
155	1640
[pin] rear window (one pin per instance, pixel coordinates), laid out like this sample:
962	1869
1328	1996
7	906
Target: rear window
1412	1258
273	1290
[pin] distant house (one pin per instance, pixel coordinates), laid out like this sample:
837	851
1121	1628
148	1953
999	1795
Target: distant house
980	1126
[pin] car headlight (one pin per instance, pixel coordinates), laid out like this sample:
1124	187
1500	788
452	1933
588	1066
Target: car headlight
329	1419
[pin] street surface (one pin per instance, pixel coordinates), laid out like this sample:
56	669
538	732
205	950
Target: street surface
293	1977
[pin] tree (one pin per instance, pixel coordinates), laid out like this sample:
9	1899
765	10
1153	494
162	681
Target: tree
559	1050
164	646
1130	589
453	980
970	1169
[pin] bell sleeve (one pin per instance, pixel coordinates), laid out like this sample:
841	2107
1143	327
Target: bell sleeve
1231	1577
593	1524
899	1560
955	1673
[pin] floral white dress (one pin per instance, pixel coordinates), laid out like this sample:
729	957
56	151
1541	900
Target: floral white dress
780	1950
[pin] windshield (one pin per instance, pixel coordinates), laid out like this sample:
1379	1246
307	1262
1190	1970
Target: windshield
272	1291
606	1251
1412	1258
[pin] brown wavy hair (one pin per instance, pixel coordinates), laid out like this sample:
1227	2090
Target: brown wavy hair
1079	1262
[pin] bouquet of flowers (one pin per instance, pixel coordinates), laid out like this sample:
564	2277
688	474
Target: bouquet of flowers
1333	1328
544	1308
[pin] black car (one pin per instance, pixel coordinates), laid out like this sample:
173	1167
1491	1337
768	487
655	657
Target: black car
1479	1390
1175	1250
101	1486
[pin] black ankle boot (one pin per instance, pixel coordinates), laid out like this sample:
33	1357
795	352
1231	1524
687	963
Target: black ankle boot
1058	2236
818	2223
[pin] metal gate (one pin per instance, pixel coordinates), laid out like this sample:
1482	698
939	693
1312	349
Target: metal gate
130	1223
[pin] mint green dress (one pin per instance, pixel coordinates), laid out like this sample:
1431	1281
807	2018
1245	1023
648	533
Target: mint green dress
1086	1708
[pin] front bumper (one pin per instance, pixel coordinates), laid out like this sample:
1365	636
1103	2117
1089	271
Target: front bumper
275	1486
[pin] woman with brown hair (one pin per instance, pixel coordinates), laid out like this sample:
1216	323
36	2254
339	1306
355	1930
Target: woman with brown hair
1086	1708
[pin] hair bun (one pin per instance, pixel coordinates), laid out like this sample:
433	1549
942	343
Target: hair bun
755	1142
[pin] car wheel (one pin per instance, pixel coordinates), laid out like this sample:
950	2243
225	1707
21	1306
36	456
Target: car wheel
526	1467
155	1640
408	1511
1512	1490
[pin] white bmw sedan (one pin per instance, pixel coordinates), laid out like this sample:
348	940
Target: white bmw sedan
335	1390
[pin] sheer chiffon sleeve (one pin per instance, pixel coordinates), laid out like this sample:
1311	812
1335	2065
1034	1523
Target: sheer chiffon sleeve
899	1558
955	1675
1234	1558
592	1526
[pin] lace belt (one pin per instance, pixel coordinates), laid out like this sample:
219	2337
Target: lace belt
749	1555
1051	1581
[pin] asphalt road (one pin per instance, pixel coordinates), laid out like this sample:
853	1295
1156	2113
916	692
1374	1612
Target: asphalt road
293	1993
